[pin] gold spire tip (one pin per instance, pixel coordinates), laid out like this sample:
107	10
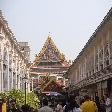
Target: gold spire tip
49	34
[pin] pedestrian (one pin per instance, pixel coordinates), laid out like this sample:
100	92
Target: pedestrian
102	106
59	107
32	109
81	101
88	105
97	101
1	102
4	105
45	107
25	108
107	103
14	106
66	106
74	107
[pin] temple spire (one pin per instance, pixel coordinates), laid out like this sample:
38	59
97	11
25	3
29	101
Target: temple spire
49	35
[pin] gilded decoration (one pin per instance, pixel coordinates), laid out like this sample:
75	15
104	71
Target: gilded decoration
48	64
50	53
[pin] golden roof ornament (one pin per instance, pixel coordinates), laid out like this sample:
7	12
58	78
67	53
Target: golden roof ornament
62	56
49	34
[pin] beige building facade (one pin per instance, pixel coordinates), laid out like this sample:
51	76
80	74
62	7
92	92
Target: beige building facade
91	71
13	61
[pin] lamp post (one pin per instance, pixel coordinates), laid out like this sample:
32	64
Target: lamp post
25	80
25	92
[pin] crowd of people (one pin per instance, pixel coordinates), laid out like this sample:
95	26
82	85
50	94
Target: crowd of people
86	104
71	104
11	106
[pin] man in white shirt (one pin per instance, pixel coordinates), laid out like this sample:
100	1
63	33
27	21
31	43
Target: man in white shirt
45	107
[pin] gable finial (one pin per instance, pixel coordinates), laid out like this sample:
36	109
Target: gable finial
49	34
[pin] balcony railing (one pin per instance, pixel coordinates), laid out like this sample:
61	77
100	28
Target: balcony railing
96	77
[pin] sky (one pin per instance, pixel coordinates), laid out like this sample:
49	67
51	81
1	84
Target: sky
70	22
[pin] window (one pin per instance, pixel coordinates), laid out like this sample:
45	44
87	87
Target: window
107	62
101	67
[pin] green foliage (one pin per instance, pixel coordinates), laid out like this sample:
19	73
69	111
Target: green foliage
18	95
3	95
32	99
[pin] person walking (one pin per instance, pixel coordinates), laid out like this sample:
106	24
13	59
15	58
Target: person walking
102	106
59	107
97	101
76	107
45	107
4	105
107	103
14	107
1	102
88	105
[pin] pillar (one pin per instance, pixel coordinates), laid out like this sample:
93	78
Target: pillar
2	74
2	67
8	70
94	59
0	77
16	73
85	67
98	59
12	68
19	74
108	46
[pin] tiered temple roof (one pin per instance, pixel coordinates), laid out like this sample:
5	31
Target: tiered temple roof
49	58
49	62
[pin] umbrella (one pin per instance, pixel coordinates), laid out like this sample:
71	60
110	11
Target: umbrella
54	94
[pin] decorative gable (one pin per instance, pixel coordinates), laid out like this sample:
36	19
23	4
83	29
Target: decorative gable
49	53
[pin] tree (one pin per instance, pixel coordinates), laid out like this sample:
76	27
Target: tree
19	96
32	100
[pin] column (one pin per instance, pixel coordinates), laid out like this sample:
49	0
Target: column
16	71
0	76
103	56
98	59
2	67
19	74
32	83
12	68
85	68
76	77
82	71
8	69
94	59
79	74
108	46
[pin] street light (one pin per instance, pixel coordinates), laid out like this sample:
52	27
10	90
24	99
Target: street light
25	80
